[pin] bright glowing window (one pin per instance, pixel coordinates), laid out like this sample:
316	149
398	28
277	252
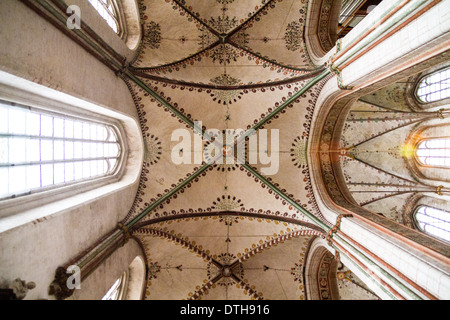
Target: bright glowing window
434	152
117	289
434	222
435	86
108	11
40	150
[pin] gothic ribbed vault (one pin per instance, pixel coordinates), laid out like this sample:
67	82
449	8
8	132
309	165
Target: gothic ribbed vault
229	233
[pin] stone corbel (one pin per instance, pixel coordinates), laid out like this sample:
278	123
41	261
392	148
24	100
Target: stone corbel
59	287
16	290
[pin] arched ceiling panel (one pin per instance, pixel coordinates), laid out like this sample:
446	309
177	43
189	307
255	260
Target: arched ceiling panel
278	273
223	15
158	125
225	257
168	263
225	109
230	190
169	34
220	43
278	34
224	65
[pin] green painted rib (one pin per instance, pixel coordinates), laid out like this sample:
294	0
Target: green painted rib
312	217
169	194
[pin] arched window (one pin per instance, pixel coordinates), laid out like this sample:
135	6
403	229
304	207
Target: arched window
42	150
434	152
109	10
117	291
434	222
434	87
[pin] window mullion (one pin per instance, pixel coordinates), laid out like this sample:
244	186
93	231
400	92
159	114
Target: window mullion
52	138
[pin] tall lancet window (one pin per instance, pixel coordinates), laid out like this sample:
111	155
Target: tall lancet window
41	150
434	152
434	222
108	10
434	87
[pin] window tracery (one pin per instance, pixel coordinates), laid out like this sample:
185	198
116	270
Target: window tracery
434	87
42	150
434	222
109	11
434	152
117	290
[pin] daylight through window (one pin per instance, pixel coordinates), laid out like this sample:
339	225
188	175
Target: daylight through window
435	86
434	152
107	10
117	289
40	150
433	221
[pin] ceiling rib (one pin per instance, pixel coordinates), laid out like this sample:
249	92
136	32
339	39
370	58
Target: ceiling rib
257	13
228	87
316	220
173	64
184	243
229	213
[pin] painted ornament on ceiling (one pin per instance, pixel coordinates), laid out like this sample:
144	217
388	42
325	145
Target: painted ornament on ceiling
152	36
298	152
228	269
152	149
293	36
224	1
227	203
153	269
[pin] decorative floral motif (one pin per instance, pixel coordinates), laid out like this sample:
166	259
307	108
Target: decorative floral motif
224	1
153	269
226	96
323	25
297	272
293	36
229	220
225	80
241	38
152	149
227	203
396	94
298	152
206	38
323	276
223	24
153	35
224	54
226	148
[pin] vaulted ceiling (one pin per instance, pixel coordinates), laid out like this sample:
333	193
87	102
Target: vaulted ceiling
228	233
